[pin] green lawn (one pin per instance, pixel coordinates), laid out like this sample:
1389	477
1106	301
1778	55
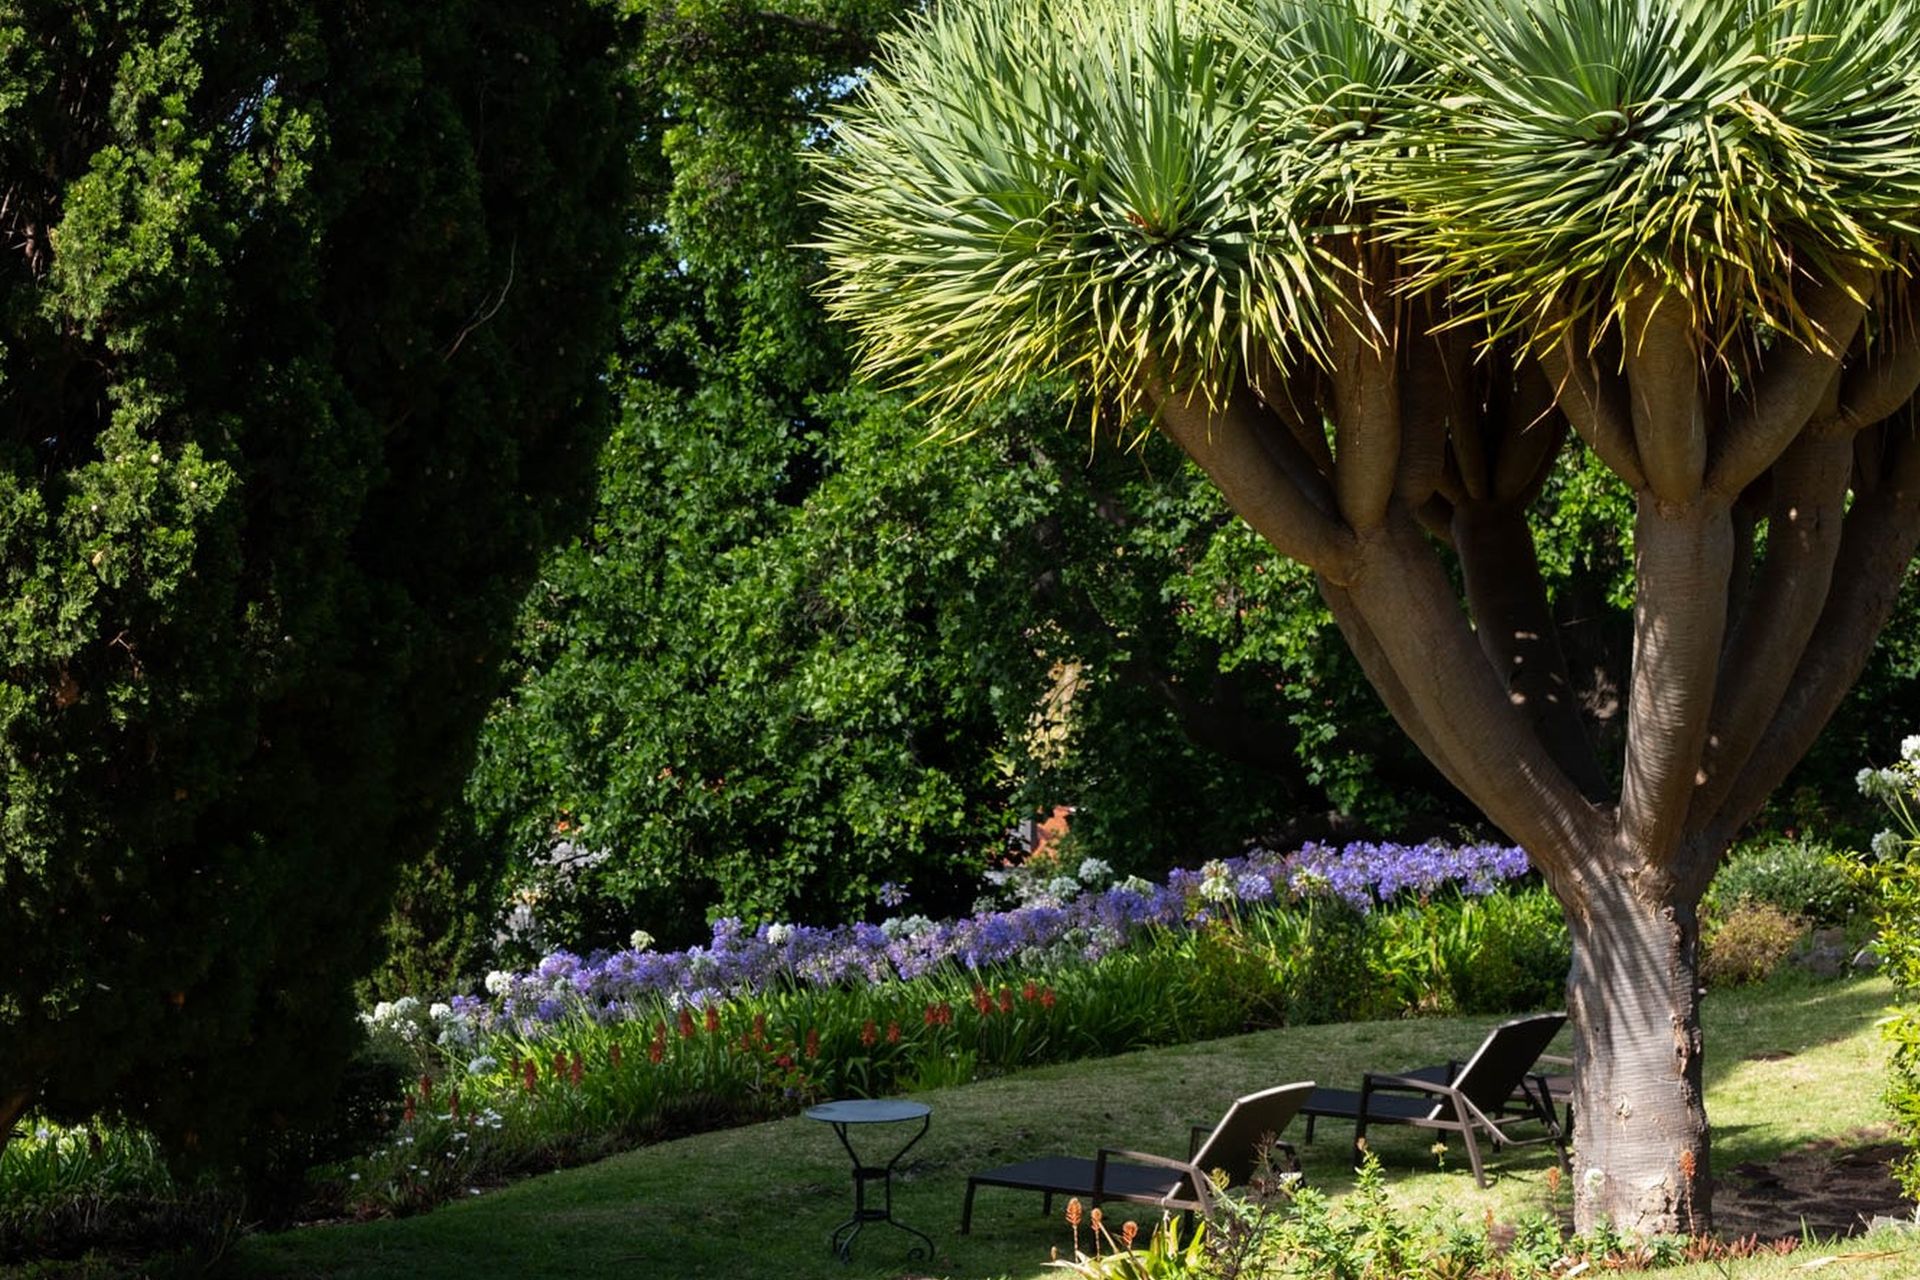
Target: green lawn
759	1201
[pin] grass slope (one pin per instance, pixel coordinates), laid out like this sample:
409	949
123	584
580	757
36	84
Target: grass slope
759	1201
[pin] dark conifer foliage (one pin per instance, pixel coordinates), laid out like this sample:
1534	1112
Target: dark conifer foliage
303	310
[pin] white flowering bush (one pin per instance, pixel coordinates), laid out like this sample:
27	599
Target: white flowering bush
1896	873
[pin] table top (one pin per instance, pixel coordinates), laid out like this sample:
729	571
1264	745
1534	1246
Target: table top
868	1111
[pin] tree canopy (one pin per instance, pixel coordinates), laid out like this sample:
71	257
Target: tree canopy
1372	264
303	312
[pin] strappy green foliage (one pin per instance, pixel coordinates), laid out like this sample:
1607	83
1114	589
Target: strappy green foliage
1166	193
1727	151
1079	186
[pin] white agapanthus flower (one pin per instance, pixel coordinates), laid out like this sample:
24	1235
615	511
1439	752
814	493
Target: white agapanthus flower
499	982
1876	784
905	926
1889	844
1215	884
482	1066
779	935
382	1012
1910	749
1094	871
1063	887
440	1011
640	940
404	1007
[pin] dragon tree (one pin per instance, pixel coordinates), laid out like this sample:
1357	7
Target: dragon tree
1376	265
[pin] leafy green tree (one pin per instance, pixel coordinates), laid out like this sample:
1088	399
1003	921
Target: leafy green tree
1372	265
303	312
797	654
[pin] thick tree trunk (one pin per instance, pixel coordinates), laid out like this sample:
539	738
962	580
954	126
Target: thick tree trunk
1640	1135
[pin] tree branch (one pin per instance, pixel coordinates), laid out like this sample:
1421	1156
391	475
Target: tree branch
1880	384
1280	391
1432	393
1380	674
1663	389
1227	443
1765	644
1366	419
1682	561
1790	384
1532	436
1594	398
1516	631
1877	543
1475	735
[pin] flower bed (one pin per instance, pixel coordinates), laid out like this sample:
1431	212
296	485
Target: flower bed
1058	926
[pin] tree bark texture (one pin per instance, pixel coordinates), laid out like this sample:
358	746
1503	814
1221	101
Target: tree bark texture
1641	1136
1778	508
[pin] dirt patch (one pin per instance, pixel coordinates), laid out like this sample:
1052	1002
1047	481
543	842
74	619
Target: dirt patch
1835	1186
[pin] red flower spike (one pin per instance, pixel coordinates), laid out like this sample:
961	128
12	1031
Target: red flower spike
577	1069
868	1034
406	1117
1030	993
713	1020
813	1043
453	1104
426	1089
1006	1000
686	1024
893	1033
655	1052
1047	998
613	1056
932	1016
559	1066
530	1074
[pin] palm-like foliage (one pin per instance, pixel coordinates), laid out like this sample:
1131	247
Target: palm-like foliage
1095	186
1580	149
1153	193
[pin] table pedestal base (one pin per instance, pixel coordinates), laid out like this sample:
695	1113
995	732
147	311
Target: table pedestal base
842	1237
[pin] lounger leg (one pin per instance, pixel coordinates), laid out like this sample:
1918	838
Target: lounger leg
1310	1120
1473	1144
966	1209
1046	1204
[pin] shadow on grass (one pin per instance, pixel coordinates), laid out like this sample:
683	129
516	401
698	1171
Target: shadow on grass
759	1201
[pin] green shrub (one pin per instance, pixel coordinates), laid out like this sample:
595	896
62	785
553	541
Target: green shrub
1749	944
1895	875
1507	952
1800	876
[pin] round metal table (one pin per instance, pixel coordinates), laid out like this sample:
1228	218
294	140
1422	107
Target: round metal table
843	1116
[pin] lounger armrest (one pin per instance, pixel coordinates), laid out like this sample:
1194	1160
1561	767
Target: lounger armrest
1202	1185
1377	1081
1555	1059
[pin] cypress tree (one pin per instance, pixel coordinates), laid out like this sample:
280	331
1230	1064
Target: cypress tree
304	307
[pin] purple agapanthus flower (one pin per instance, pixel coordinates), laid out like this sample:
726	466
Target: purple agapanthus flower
611	985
